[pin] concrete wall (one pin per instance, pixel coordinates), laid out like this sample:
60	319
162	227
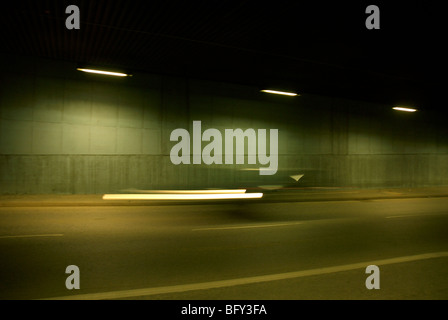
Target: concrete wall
63	131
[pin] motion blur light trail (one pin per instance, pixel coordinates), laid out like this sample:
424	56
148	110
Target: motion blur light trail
211	191
187	195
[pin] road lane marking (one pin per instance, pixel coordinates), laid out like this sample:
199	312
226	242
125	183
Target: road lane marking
33	235
244	281
248	226
413	215
402	216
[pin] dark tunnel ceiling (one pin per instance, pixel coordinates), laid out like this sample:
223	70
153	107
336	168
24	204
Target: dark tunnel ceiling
322	48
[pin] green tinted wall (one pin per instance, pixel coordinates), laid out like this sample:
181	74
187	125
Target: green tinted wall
63	131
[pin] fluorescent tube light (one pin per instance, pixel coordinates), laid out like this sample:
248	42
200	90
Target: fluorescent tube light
108	73
404	109
292	94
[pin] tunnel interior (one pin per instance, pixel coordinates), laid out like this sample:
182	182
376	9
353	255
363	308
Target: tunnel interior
67	132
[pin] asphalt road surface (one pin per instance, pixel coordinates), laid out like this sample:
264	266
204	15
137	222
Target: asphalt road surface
288	251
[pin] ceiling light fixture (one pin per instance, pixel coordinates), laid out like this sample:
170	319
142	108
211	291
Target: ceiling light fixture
404	109
108	73
292	94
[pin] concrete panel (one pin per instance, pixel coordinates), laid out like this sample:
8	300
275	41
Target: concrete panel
223	112
314	143
23	174
339	131
105	100
54	175
83	174
425	139
120	166
47	138
138	176
104	114
18	97
385	141
201	108
442	139
151	142
16	137
152	173
36	174
77	102
103	140
290	141
49	100
8	176
245	113
439	170
359	143
174	102
175	108
152	109
129	141
130	110
102	172
75	139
